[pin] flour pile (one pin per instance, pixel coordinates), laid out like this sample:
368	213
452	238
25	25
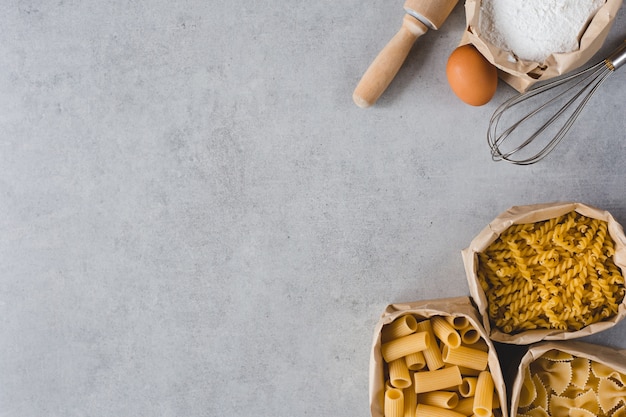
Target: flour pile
532	30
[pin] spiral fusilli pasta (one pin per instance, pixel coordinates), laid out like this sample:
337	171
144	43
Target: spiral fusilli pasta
554	274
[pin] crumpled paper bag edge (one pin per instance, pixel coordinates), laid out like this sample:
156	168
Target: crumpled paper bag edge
529	214
517	74
453	306
614	358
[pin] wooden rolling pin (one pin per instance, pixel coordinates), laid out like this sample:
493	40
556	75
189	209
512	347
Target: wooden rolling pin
420	16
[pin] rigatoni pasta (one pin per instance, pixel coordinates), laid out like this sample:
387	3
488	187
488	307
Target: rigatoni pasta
483	399
399	373
398	348
410	399
426	381
445	332
404	326
424	410
432	354
458	322
469	335
442	378
441	399
465	406
415	361
468	386
466	356
480	344
394	403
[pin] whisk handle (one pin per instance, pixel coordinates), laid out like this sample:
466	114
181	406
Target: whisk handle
617	58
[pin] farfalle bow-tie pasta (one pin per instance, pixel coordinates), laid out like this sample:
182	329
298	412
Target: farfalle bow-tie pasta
558	384
555	274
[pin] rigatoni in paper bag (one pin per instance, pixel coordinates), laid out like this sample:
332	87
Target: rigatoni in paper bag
434	355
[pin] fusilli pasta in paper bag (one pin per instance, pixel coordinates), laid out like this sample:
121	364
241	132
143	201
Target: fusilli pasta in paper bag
435	354
548	272
557	378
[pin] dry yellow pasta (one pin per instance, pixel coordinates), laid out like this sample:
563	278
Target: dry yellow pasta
402	326
405	345
562	405
620	411
553	274
468	386
388	385
558	375
528	392
410	400
445	332
580	412
466	357
542	393
469	335
394	403
580	372
432	354
469	371
437	380
424	410
465	406
442	399
399	373
613	394
600	370
600	395
495	403
415	361
480	345
535	412
458	322
483	400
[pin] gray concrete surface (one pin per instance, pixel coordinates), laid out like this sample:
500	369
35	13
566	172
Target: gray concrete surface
196	220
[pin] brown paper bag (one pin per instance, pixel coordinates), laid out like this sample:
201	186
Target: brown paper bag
612	358
523	74
456	307
531	214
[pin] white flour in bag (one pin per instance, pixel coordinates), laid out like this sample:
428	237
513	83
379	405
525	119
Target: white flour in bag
532	30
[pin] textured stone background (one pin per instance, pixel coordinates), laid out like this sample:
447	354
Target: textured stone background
196	220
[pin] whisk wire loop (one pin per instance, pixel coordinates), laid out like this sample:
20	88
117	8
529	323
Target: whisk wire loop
578	88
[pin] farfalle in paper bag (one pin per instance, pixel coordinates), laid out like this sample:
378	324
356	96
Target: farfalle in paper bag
574	378
548	272
434	358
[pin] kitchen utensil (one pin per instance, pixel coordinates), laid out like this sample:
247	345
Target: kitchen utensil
556	100
420	16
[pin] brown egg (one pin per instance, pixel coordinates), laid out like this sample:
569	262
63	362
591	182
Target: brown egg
472	78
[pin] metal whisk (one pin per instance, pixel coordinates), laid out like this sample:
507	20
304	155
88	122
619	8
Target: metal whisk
561	99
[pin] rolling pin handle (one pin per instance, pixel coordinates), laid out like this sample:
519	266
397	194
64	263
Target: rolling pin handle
388	62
